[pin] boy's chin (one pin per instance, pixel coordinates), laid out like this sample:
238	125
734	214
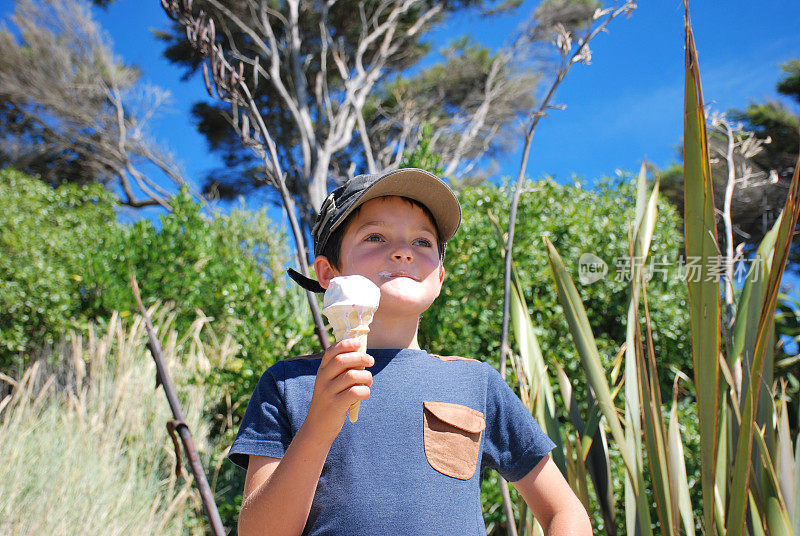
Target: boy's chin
405	300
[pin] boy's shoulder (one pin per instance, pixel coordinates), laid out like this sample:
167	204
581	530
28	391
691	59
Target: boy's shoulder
318	355
307	357
455	358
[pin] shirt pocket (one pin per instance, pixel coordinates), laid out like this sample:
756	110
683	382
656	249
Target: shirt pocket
452	438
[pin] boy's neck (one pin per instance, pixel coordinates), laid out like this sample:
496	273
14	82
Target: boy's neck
393	332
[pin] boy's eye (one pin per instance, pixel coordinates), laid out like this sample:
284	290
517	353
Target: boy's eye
373	238
424	242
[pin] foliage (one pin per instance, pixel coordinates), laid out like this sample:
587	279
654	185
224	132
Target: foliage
98	398
747	460
674	496
50	236
573	14
70	111
787	358
494	517
468	103
68	262
338	88
465	319
422	156
328	61
755	208
779	122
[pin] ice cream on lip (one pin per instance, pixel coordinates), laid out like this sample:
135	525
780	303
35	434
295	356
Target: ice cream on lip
398	273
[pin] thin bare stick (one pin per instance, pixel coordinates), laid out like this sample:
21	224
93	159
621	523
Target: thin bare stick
566	62
178	423
580	54
227	83
744	144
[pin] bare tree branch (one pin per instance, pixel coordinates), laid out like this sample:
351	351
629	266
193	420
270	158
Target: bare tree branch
80	114
562	38
230	86
743	145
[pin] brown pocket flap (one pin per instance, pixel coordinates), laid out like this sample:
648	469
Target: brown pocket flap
462	417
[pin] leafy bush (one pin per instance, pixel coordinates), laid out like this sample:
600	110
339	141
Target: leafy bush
466	319
66	262
49	235
229	267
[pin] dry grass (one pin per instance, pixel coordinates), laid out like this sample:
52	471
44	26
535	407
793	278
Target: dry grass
84	443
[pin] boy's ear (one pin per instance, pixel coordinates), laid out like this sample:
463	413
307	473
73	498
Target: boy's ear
325	272
441	272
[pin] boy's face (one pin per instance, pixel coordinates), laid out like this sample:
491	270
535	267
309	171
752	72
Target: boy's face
392	243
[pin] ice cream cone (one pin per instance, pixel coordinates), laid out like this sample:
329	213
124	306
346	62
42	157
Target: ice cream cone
350	304
361	335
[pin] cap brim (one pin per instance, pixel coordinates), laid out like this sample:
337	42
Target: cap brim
422	186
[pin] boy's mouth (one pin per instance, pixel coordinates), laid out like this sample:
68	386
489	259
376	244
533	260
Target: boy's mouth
393	275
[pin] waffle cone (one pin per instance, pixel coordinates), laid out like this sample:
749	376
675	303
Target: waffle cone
361	334
351	321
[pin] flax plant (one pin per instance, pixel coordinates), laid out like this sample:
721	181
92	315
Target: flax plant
569	55
749	467
83	442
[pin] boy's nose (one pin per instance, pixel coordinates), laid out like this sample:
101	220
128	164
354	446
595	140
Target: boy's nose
402	254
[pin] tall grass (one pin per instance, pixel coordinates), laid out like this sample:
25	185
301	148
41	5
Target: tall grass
749	463
84	444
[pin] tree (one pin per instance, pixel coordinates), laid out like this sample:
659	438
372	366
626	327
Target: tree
319	125
777	121
331	81
738	151
71	112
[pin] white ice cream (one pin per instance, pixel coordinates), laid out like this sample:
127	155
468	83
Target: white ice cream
350	303
354	290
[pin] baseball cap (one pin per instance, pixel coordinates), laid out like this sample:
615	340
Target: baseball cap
413	183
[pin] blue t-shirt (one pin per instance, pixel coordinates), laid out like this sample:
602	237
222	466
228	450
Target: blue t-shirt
412	462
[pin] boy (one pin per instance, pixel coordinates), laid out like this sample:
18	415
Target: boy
409	464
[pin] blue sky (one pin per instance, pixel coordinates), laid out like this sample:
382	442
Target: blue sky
623	107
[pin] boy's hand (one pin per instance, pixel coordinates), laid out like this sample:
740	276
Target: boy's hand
340	382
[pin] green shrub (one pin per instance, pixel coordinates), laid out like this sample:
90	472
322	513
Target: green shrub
466	319
66	262
48	238
229	267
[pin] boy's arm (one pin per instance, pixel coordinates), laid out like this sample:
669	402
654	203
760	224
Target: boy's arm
553	502
278	492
